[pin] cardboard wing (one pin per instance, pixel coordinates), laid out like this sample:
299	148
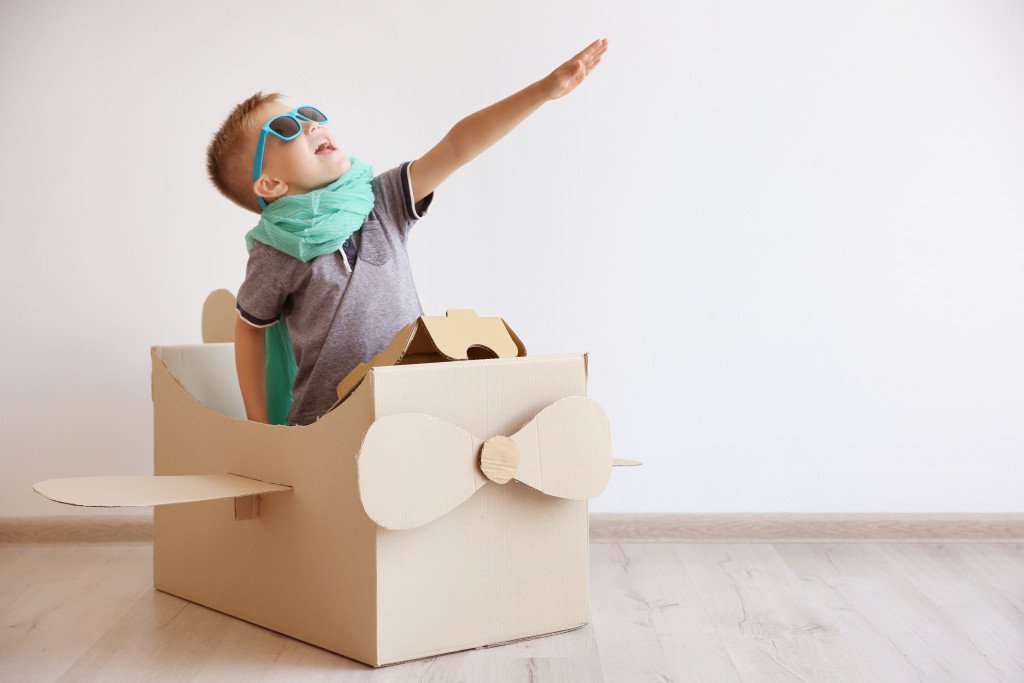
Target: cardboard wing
119	491
460	334
414	468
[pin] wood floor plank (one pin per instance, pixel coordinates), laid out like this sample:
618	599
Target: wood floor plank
989	624
840	592
663	612
649	619
771	628
75	595
162	637
890	599
570	656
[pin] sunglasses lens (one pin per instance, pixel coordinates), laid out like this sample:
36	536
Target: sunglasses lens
285	126
312	114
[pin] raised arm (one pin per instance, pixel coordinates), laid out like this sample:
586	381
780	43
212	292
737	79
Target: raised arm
475	133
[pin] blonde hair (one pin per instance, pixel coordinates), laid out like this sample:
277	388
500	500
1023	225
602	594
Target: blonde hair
230	154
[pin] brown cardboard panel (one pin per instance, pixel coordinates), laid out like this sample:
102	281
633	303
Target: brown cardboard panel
413	468
391	355
455	336
306	565
219	315
508	563
499	459
515	338
247	507
462	329
142	491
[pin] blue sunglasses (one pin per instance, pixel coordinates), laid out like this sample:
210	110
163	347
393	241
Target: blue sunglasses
287	127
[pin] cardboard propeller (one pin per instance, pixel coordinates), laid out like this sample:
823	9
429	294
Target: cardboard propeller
414	468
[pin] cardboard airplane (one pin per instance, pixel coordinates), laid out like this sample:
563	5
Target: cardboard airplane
439	506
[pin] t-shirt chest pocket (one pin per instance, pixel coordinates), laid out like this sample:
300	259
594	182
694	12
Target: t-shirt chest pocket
374	248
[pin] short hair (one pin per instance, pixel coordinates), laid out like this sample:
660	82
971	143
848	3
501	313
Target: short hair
230	154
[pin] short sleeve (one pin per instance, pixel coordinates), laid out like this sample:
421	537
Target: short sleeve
269	279
394	198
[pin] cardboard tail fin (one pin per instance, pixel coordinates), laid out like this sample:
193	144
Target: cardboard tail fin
144	491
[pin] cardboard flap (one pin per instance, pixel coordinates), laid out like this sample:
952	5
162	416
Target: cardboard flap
622	462
143	491
219	315
461	330
414	468
391	355
458	335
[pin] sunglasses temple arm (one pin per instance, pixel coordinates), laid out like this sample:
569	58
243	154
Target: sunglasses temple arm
257	164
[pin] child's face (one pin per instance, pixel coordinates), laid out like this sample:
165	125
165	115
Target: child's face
294	167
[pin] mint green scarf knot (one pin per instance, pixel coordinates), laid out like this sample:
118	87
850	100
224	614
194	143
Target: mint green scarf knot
305	226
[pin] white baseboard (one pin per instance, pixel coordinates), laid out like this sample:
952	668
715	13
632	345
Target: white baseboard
627	527
781	527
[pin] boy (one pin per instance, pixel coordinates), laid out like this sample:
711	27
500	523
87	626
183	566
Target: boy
329	252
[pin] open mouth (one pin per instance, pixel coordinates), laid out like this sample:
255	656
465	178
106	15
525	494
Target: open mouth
325	147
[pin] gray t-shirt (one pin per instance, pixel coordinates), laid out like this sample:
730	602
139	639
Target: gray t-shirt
341	310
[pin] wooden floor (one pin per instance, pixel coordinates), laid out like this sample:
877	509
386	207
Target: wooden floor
661	612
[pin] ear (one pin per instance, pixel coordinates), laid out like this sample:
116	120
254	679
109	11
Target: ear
269	187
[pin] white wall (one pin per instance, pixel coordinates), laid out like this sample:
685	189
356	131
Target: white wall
790	234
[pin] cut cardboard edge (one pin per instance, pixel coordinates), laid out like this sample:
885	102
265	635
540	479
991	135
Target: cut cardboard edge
124	491
391	355
162	372
461	329
451	336
565	450
413	468
623	462
219	315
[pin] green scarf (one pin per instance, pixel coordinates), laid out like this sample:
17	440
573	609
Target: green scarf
305	226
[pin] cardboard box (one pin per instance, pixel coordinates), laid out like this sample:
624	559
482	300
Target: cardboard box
380	532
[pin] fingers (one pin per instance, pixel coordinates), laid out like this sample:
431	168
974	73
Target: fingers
592	51
589	56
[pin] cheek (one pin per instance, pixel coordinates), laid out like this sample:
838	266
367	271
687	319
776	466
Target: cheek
299	160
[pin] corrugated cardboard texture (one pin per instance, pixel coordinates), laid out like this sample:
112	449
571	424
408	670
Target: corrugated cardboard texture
305	566
510	562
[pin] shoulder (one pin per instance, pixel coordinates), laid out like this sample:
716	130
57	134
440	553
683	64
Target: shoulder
267	262
393	192
268	254
392	181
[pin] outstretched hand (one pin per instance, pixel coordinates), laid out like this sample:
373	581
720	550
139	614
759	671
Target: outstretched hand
565	78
